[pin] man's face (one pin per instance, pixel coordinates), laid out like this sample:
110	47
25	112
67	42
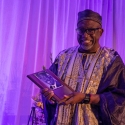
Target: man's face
88	34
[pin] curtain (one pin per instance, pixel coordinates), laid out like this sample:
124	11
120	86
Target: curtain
30	30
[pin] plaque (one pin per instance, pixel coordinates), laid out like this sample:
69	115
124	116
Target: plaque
47	79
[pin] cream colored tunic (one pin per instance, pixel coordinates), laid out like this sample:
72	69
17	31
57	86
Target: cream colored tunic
73	72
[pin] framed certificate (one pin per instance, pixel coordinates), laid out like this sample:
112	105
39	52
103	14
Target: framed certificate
47	79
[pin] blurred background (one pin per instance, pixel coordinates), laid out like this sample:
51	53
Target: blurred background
30	30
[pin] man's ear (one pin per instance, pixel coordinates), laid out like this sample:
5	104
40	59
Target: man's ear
101	31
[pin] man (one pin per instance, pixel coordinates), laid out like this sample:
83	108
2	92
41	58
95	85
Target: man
97	75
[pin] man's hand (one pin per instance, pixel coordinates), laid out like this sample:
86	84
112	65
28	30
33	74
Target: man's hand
73	98
48	94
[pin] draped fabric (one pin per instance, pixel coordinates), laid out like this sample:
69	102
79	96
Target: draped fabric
32	29
108	73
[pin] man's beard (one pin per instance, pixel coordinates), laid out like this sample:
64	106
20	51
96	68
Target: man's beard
87	45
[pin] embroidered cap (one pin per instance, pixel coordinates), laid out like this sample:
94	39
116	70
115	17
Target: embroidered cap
89	15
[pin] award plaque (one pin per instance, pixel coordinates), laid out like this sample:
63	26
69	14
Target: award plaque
47	79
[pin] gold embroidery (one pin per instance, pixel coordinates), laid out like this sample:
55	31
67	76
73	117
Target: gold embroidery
81	114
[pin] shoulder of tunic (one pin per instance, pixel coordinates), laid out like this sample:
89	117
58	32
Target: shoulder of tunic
111	56
67	51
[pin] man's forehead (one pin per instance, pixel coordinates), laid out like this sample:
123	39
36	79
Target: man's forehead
88	23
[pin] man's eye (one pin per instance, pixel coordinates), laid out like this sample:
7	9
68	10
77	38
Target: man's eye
90	30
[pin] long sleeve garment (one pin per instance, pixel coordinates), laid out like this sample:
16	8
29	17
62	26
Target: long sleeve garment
111	108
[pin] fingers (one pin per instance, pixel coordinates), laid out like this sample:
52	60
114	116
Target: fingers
44	90
51	101
65	98
69	96
70	101
48	94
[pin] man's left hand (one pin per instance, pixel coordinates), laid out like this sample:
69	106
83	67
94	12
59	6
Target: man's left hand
73	98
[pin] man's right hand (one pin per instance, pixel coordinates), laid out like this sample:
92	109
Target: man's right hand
48	94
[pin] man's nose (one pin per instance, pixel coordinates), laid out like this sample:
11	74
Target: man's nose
85	35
